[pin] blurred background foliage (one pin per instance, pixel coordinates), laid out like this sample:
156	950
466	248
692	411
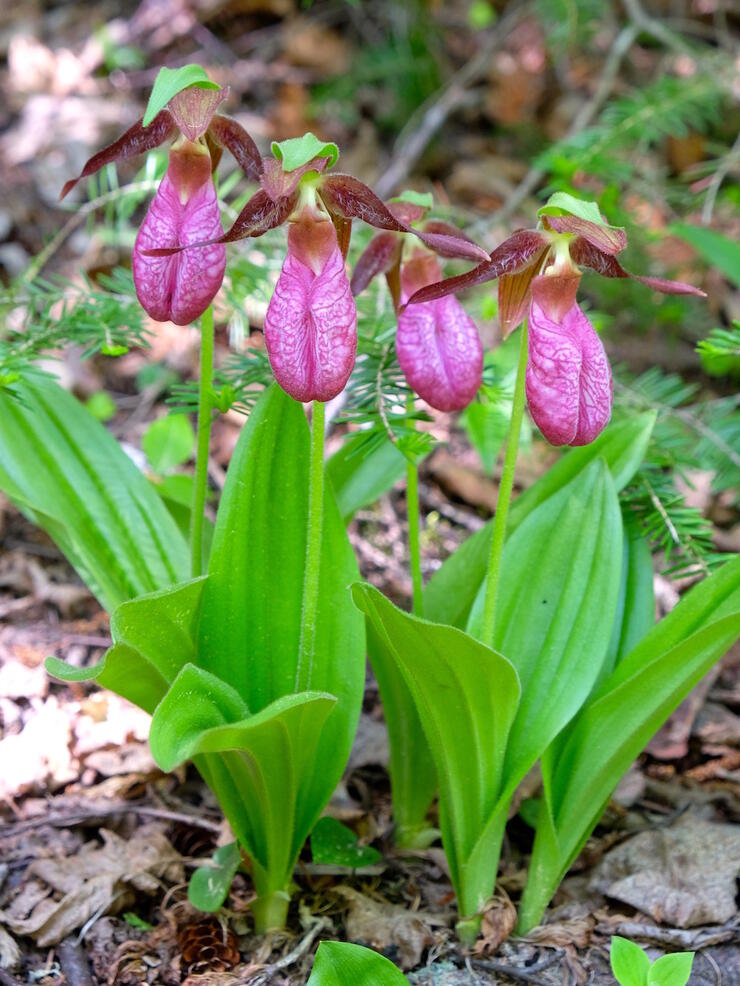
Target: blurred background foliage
490	106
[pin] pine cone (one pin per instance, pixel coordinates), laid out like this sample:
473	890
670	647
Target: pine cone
208	946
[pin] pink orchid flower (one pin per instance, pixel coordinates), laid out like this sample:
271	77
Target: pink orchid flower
568	381
179	287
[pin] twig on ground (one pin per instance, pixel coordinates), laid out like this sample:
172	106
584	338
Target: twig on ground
83	815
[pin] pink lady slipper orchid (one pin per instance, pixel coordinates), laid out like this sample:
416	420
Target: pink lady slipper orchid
437	343
568	382
311	320
179	287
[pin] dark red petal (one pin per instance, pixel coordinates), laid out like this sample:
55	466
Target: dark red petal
609	239
239	144
586	255
448	241
378	257
406	212
136	140
512	255
352	199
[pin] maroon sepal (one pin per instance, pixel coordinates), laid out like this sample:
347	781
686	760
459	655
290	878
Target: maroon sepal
278	183
378	257
352	199
406	212
586	255
193	109
447	241
608	239
136	140
512	255
258	216
225	132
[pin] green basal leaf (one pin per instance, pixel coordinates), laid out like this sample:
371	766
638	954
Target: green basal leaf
361	471
297	151
636	603
335	844
671	970
209	885
263	761
556	608
169	82
629	963
487	426
621	717
451	592
466	697
250	630
339	964
168	442
412	771
423	199
560	202
154	636
69	475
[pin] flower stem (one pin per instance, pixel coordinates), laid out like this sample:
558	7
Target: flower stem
504	496
205	407
313	550
412	510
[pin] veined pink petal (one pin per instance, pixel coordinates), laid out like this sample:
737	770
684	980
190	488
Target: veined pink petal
569	383
180	287
311	326
440	353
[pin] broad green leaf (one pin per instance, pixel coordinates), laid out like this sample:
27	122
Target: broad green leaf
69	475
263	760
556	608
340	963
451	592
626	711
466	696
337	845
168	442
560	202
412	771
169	82
671	970
250	629
101	405
718	250
629	963
209	885
154	636
636	604
297	151
362	470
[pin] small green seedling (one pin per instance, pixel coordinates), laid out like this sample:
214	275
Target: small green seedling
632	967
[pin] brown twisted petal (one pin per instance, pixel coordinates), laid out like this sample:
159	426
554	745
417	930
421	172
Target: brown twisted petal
608	239
448	241
232	135
514	293
379	256
586	255
514	254
136	140
351	198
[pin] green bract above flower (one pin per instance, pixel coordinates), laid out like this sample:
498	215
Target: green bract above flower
297	151
171	81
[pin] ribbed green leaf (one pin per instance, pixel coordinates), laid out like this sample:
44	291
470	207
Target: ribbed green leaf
340	963
251	624
616	723
556	608
154	636
65	471
466	696
266	757
636	603
451	592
